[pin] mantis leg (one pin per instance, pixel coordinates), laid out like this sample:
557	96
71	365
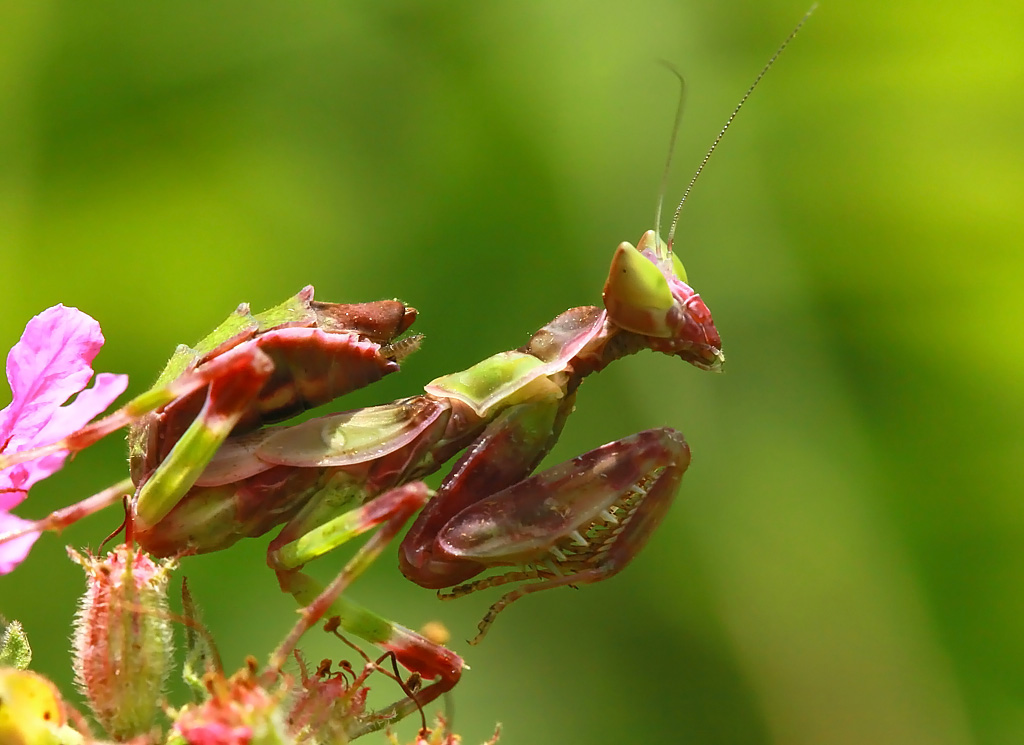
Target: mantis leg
390	511
226	401
576	523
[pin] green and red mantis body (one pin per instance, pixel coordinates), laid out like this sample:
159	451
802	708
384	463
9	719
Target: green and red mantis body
207	472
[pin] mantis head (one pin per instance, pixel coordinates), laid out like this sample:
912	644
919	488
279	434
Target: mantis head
647	294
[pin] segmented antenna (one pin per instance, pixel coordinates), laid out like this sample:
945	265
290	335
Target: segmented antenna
728	122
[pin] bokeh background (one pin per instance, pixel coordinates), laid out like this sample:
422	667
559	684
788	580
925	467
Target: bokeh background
845	560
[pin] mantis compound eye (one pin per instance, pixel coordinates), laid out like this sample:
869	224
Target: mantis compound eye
636	293
647	294
646	288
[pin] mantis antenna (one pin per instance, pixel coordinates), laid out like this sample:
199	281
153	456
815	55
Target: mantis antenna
671	150
728	122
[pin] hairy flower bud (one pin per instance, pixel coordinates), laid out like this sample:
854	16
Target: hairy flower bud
122	640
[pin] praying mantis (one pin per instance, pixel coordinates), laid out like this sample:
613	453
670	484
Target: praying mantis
205	473
211	465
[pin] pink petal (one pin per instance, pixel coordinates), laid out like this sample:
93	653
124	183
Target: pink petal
68	419
88	403
10	496
14	552
45	368
50	364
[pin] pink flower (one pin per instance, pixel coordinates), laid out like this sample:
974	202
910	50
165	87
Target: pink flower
50	364
239	711
13	552
217	733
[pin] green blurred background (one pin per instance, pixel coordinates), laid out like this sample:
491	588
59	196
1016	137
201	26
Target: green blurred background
845	561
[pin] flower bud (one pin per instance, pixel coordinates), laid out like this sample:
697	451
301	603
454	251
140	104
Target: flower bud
122	639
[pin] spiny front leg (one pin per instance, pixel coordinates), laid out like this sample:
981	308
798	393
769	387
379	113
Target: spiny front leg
576	523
